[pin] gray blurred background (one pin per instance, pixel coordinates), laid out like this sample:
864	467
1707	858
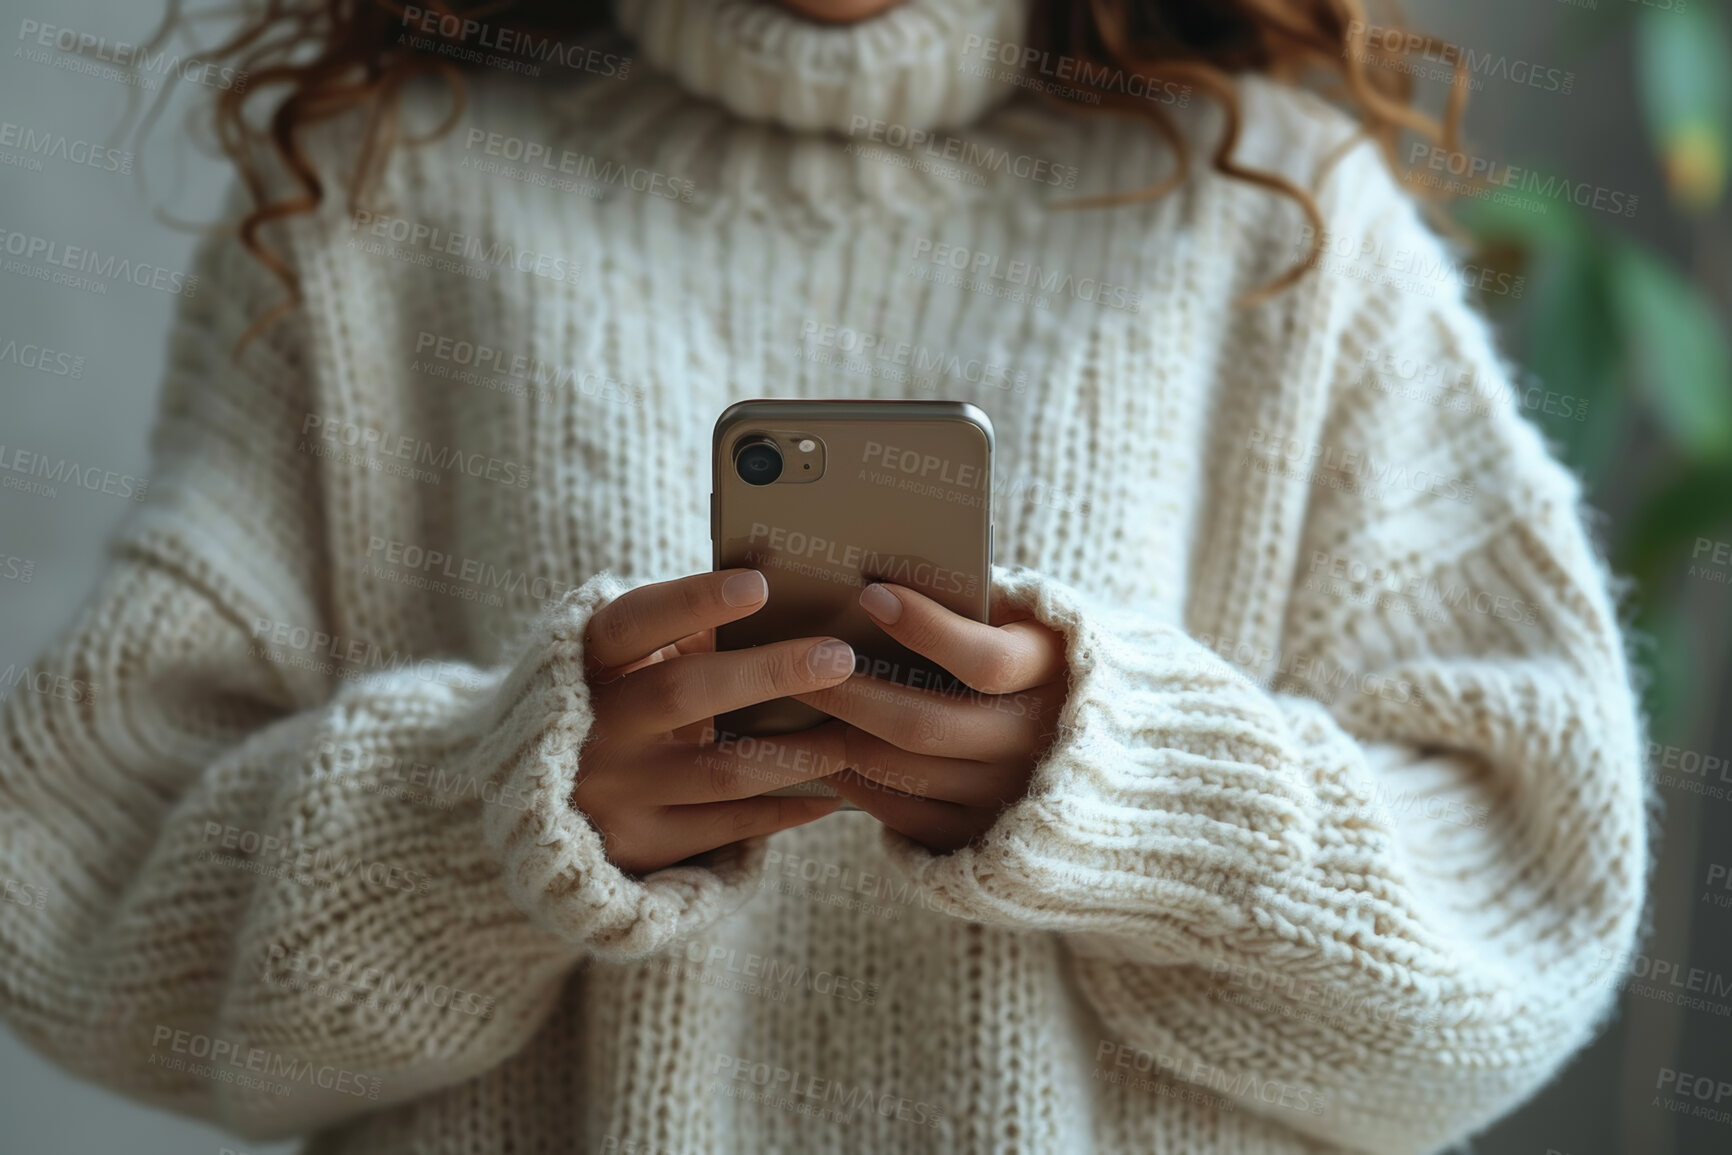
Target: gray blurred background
1602	1103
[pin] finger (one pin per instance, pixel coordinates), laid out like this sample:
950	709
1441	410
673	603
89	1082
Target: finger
702	642
661	655
1003	659
961	780
669	695
741	767
695	733
940	825
641	621
690	830
982	727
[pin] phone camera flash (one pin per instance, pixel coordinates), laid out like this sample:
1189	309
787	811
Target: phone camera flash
807	445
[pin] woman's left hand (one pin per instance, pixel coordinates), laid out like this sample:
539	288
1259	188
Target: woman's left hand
940	767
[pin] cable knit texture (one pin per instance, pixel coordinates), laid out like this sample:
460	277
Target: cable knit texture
1336	844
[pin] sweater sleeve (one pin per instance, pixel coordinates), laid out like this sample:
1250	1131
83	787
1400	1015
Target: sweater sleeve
1365	878
267	874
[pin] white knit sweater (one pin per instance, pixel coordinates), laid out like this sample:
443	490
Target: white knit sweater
1337	845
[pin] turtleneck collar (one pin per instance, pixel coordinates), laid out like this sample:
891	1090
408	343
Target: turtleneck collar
917	65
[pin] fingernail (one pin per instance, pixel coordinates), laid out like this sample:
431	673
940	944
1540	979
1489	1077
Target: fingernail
828	659
745	589
881	603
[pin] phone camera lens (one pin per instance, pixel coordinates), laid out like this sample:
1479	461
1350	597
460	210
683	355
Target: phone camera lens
758	462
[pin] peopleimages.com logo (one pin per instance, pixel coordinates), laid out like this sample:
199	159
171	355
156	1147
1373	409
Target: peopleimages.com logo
42	359
287	858
500	46
371	444
466	247
541	161
977	156
23	146
55	471
1472	171
1371	258
880	355
219	1058
86	268
44	683
353	981
120	58
805	1093
981	271
1029	67
23	894
847	559
1475	65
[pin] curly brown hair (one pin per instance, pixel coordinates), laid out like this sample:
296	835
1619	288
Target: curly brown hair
328	57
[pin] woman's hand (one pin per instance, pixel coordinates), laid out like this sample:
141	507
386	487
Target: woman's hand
652	778
940	767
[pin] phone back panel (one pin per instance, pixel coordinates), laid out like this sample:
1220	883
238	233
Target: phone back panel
903	494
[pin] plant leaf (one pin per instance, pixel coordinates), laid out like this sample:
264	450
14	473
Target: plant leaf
1520	215
1686	94
1573	340
1679	354
1672	660
1663	528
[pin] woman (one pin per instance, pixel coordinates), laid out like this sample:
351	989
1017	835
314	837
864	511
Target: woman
392	818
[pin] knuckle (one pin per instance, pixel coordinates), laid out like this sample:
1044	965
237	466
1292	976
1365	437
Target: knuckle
921	634
666	690
615	625
695	598
994	671
591	799
904	729
597	751
832	748
858	748
931	728
625	846
722	772
742	820
603	702
781	670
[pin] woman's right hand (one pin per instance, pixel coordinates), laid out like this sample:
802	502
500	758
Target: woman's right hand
653	779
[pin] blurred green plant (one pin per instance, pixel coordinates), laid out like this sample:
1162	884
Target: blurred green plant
1641	340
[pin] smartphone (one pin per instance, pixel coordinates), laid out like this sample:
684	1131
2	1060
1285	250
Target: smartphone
826	496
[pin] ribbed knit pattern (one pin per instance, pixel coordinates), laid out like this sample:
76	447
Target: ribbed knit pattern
1335	847
899	68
